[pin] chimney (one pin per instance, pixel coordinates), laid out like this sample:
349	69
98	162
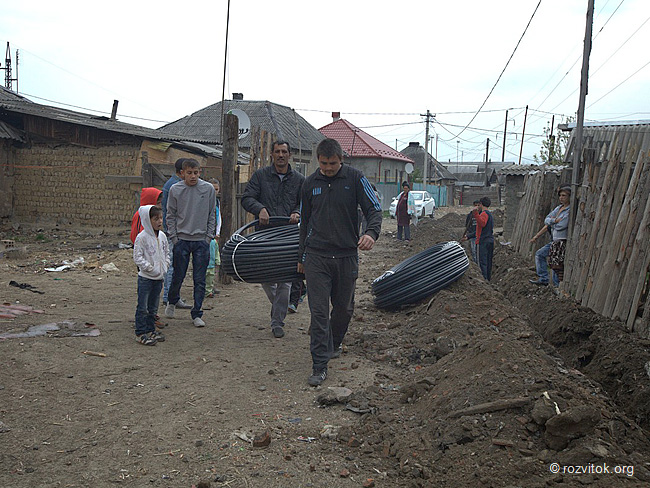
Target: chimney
336	116
414	144
237	96
114	111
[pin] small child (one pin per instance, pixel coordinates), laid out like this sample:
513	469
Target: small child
151	255
215	257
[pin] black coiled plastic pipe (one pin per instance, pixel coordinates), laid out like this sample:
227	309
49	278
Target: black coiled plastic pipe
265	256
420	275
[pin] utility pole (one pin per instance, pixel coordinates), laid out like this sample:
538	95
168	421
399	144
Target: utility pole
551	140
505	130
523	132
9	79
225	64
426	152
487	153
577	149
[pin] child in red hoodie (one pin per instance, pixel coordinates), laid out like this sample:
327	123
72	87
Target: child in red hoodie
148	196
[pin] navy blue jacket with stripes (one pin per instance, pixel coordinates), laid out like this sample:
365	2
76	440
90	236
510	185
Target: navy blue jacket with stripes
329	220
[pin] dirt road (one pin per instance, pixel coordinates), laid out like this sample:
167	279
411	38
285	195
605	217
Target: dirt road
470	388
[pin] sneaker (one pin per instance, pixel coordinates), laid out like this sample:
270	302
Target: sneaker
198	322
159	323
159	336
292	308
317	377
146	339
539	282
170	310
210	295
181	304
278	332
337	352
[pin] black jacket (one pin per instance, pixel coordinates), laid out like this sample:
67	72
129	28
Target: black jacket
329	224
280	198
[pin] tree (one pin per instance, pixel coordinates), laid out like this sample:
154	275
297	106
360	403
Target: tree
553	147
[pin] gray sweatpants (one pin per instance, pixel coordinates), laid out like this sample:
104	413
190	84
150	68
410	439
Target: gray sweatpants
329	279
278	295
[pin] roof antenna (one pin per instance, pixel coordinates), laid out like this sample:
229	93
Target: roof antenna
8	79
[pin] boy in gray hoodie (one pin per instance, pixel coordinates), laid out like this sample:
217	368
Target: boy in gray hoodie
191	223
151	255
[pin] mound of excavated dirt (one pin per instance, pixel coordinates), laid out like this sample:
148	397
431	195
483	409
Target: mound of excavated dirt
479	397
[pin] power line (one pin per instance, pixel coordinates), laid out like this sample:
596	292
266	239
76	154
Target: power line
93	110
504	68
626	79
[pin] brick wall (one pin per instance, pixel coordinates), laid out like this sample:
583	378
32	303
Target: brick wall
65	185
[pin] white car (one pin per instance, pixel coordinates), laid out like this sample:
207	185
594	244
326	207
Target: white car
424	204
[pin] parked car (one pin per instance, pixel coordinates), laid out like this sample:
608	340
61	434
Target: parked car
425	204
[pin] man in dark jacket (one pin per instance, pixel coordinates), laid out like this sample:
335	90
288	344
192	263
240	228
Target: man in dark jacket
328	249
274	191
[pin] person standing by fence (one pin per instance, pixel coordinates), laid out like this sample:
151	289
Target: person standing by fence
557	222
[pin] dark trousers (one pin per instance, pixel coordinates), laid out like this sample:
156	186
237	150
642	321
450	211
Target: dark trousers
407	232
485	251
200	253
148	300
298	290
329	279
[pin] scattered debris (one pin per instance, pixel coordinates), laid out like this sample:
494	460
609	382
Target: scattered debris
93	353
65	328
109	267
262	440
25	286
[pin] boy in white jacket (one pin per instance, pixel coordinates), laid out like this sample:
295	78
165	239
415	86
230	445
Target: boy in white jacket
151	255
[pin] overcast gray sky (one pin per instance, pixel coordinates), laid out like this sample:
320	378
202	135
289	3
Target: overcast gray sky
380	63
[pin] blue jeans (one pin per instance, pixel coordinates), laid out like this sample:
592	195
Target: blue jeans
170	270
148	300
200	252
472	247
541	263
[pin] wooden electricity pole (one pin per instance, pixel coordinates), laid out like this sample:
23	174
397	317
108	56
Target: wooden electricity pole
577	147
228	207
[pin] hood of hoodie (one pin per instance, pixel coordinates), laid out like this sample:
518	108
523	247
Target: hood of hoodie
145	220
149	196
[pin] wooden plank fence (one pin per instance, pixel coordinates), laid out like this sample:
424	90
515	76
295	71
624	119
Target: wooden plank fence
608	258
607	265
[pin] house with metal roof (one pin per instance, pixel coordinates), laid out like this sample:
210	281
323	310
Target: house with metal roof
379	162
284	122
67	167
436	172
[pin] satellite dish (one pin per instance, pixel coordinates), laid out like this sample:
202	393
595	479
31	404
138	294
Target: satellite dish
408	167
244	122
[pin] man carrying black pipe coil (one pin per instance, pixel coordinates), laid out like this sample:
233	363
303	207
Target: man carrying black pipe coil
328	249
274	191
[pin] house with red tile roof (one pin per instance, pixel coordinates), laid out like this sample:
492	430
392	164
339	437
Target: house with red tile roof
379	162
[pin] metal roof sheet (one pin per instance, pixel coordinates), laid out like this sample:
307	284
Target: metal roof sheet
9	132
612	140
271	117
360	144
11	102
